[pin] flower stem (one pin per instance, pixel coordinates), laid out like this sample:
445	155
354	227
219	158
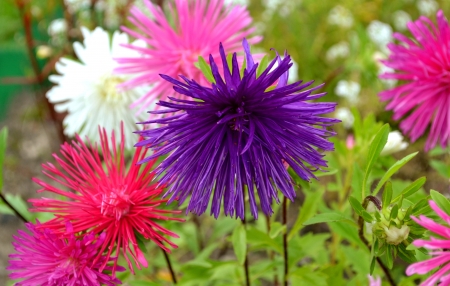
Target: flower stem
247	273
13	208
285	244
377	203
271	254
169	265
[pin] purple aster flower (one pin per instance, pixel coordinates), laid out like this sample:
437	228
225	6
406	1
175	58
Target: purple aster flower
233	137
44	258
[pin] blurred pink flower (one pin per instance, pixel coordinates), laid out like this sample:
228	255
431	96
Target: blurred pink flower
350	142
374	281
423	63
194	28
43	258
104	196
438	247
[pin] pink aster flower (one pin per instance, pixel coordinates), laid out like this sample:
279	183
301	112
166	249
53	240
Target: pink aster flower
199	26
423	64
374	281
104	196
44	258
439	247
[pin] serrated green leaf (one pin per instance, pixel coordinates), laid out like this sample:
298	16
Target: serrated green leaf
3	141
441	201
357	180
262	65
387	195
392	170
366	216
375	149
356	205
206	69
329	217
394	212
411	189
308	209
239	240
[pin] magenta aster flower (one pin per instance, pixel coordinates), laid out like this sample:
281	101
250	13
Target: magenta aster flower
439	249
423	65
232	137
195	29
104	197
44	258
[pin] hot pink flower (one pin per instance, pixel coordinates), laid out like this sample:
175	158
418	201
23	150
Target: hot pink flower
43	258
199	26
439	247
104	197
423	63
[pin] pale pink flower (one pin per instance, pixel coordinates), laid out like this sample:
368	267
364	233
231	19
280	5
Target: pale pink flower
439	249
350	142
423	64
195	28
374	281
44	258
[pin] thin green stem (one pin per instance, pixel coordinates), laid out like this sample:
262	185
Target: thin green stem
169	265
18	214
271	253
285	244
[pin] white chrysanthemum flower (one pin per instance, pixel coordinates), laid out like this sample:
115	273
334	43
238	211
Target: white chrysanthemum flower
88	92
380	33
427	7
401	19
348	89
339	50
341	17
345	115
394	143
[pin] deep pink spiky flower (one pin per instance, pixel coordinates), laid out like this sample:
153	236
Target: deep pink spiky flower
104	196
439	247
44	258
423	66
195	28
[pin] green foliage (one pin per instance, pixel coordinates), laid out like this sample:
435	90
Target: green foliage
3	142
239	243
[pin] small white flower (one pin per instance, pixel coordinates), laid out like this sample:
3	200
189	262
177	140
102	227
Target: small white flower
74	6
339	50
43	51
281	6
394	143
348	89
380	33
88	92
395	235
346	116
341	17
427	7
401	19
56	27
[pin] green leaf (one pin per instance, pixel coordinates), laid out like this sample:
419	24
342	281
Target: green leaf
367	217
392	170
275	229
308	209
372	265
329	217
394	212
239	240
357	180
412	188
389	257
441	167
308	277
387	195
206	69
262	65
375	149
20	205
441	201
356	205
258	238
3	141
141	241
